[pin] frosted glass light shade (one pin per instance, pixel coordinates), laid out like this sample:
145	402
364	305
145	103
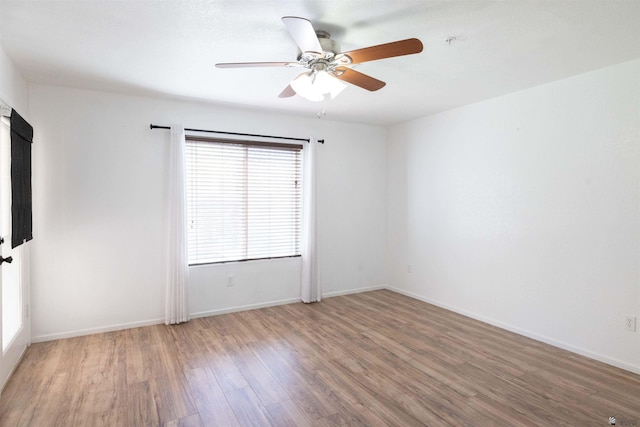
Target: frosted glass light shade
314	86
303	85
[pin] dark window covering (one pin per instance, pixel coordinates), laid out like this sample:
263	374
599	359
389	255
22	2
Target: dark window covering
21	209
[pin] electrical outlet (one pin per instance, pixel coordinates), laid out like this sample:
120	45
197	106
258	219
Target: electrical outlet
630	323
230	280
409	268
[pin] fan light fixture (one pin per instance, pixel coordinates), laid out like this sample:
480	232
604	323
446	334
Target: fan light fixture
328	67
315	85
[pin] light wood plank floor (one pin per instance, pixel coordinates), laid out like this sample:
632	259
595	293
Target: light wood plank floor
370	359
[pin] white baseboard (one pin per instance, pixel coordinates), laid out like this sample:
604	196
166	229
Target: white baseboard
243	308
99	330
353	291
122	326
547	340
565	346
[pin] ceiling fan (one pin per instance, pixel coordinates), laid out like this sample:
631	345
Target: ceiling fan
327	66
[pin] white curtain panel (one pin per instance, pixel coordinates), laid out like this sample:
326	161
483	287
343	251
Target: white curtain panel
176	309
310	288
5	110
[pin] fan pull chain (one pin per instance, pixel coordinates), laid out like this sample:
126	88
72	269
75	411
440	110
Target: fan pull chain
322	113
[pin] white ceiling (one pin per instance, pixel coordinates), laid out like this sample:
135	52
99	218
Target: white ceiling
169	48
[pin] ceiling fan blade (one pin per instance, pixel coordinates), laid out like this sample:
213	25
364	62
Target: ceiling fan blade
359	79
255	64
387	50
288	92
303	33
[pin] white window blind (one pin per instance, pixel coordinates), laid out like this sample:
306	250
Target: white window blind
244	200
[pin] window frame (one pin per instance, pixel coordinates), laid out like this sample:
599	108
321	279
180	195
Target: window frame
297	147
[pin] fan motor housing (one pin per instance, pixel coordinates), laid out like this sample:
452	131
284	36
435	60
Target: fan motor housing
328	60
328	45
320	61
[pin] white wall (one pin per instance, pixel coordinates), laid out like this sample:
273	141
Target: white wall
523	211
13	88
99	223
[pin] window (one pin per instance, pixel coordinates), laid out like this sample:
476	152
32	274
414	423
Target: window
244	200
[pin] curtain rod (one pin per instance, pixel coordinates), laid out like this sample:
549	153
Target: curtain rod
152	126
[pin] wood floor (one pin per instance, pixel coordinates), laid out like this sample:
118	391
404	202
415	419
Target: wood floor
370	359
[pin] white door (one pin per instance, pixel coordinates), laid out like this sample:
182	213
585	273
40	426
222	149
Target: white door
15	331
